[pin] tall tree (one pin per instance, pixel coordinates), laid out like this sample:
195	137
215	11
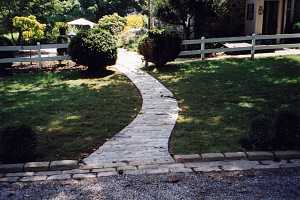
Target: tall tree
180	12
95	9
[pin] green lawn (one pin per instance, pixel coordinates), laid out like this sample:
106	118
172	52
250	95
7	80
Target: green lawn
72	115
220	98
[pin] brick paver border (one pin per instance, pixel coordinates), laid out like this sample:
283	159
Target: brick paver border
85	171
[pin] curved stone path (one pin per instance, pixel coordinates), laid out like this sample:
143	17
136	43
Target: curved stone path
145	140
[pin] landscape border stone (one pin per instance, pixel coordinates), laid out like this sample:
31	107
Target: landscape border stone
72	166
185	167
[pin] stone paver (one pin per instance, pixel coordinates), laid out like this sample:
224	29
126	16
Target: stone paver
145	140
36	166
63	164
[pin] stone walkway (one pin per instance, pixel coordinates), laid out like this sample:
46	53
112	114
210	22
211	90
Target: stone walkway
145	140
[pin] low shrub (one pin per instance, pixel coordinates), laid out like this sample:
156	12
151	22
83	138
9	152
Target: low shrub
5	54
260	136
60	28
287	130
17	144
113	23
62	40
296	27
134	22
130	39
281	133
160	47
95	48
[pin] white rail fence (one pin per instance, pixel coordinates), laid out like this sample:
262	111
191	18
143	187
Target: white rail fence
253	47
39	58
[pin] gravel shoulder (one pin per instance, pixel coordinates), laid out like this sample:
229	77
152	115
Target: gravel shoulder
259	184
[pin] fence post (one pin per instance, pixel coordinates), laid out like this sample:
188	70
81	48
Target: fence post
202	48
39	53
253	46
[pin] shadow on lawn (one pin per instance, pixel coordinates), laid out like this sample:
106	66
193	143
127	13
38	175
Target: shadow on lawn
220	98
71	115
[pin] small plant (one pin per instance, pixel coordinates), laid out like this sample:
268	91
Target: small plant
60	28
260	136
134	21
287	130
62	39
17	144
29	28
160	47
95	48
113	23
281	133
5	54
296	27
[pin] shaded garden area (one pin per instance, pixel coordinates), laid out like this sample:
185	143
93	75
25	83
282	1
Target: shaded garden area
219	99
71	114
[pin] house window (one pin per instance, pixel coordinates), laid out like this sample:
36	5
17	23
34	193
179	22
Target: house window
250	11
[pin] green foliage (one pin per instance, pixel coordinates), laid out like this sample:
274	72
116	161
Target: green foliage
29	28
281	133
208	16
261	136
95	48
220	98
131	39
134	21
95	9
179	12
287	130
113	23
79	115
5	54
49	12
17	144
296	27
62	40
160	47
60	28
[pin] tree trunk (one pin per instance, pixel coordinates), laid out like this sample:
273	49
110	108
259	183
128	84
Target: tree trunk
187	32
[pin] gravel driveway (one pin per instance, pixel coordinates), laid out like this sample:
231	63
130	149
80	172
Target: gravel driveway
270	184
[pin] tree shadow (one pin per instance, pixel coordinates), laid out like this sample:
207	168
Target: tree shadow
219	98
171	67
98	74
72	115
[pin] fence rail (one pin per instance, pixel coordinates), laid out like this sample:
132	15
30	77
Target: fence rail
253	47
39	58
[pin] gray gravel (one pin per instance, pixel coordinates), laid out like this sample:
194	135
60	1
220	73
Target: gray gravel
269	184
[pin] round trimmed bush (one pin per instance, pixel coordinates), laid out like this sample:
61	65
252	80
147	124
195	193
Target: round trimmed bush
160	47
5	54
95	48
17	144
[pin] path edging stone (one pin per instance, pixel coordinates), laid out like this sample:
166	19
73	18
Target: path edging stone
186	167
74	166
253	155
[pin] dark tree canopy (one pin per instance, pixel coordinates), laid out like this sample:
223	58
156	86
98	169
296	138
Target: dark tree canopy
199	14
51	11
95	9
180	12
